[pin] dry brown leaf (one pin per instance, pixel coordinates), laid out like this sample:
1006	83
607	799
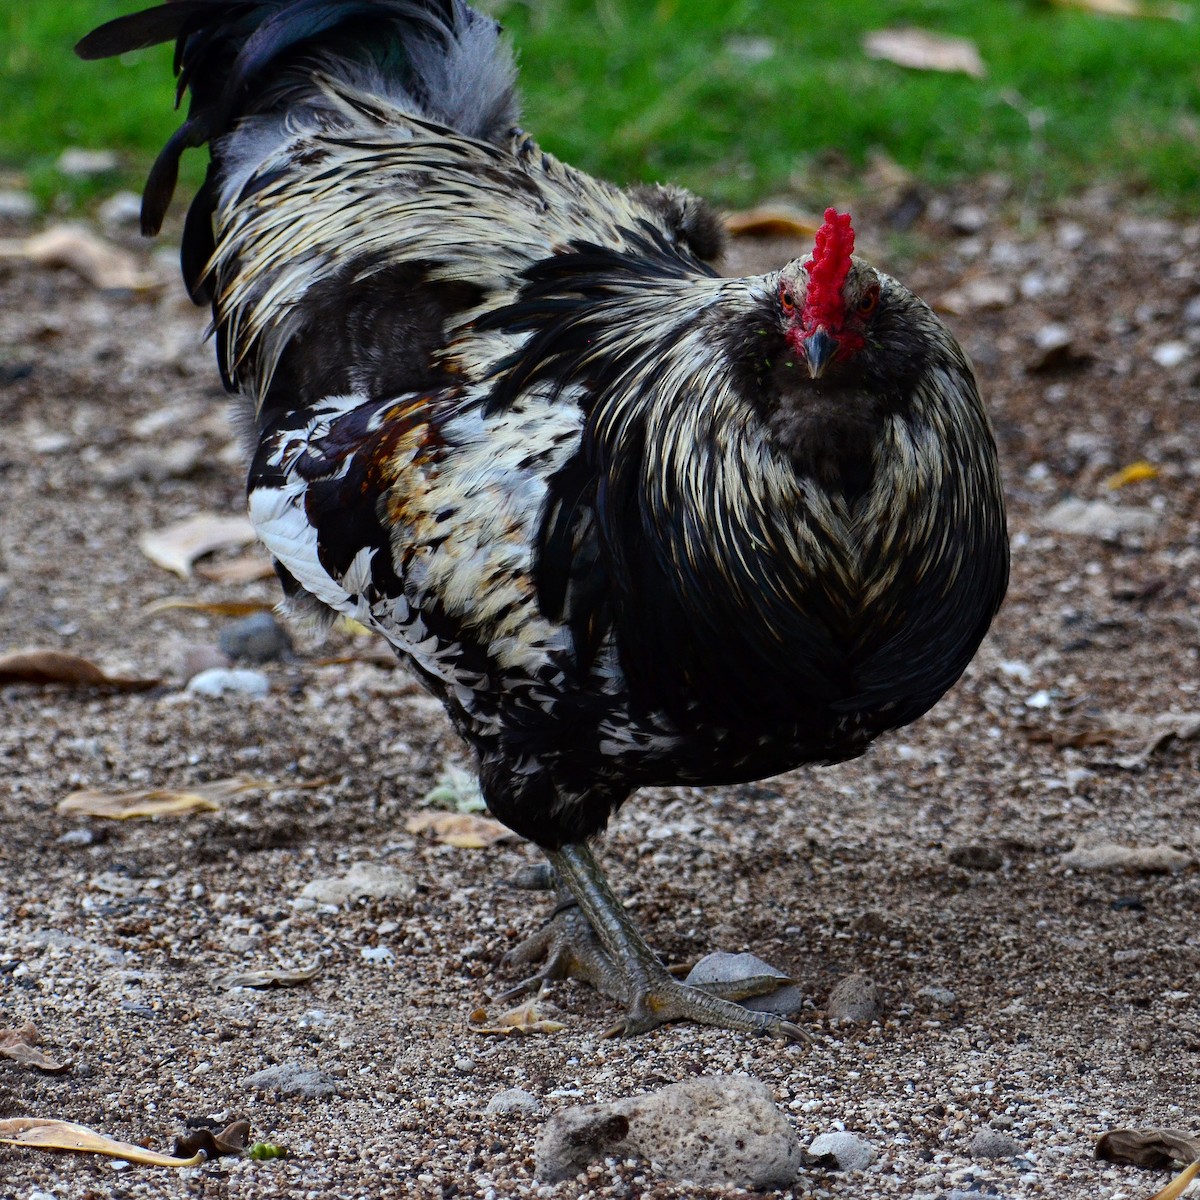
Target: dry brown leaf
771	223
523	1019
464	831
229	1141
218	608
162	802
274	977
1148	1147
1139	735
1179	1184
920	50
244	569
177	547
1130	8
77	248
56	666
21	1045
62	1135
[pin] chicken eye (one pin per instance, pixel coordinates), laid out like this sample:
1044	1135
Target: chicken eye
787	300
869	302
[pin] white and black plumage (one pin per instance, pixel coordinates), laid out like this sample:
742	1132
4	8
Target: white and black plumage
630	521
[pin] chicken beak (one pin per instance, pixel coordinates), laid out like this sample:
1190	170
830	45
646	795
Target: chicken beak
819	348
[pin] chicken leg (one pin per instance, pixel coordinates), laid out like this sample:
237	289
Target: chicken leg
599	943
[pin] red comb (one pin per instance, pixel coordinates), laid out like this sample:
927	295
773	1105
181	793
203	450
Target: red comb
827	271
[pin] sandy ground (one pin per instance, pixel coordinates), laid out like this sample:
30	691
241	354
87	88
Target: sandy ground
1018	991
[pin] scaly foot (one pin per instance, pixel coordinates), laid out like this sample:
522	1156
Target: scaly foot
598	943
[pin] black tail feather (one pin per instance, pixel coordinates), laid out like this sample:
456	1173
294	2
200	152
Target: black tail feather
233	57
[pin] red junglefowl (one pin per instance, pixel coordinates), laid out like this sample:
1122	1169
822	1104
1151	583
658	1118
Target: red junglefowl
631	522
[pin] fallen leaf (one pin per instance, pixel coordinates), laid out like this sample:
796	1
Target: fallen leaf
177	547
99	262
21	1045
1148	1147
771	223
1179	1184
229	1141
1139	735
244	569
129	806
464	831
56	666
920	50
218	608
274	977
162	802
521	1020
1134	473
43	1134
1130	8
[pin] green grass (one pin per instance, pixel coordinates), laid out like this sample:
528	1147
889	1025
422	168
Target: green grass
656	89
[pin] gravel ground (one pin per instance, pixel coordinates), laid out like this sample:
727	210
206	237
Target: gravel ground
1021	989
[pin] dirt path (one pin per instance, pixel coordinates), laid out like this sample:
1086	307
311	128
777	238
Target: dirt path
1053	1002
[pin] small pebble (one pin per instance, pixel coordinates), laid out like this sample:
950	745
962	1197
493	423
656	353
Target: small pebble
849	1152
362	879
257	638
1170	354
218	682
854	999
294	1079
17	206
727	975
786	1001
994	1143
77	837
938	997
464	1066
976	858
79	163
513	1100
195	660
121	209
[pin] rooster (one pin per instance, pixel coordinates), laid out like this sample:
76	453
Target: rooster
632	523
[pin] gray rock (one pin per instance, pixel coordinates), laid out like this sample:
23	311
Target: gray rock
1098	518
994	1143
362	879
80	163
855	999
256	638
1108	856
514	1100
294	1079
736	976
849	1152
722	1130
196	659
937	997
120	209
786	1001
17	206
218	682
976	857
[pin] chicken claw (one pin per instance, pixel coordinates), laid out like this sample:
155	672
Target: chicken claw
593	939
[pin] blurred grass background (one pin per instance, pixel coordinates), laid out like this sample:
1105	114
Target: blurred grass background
738	99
